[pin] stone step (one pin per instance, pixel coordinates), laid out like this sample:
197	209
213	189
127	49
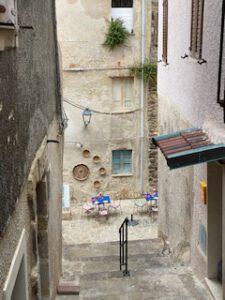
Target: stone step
111	263
152	274
163	283
112	248
102	260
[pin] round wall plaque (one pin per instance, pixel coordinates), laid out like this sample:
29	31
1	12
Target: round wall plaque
86	153
102	171
81	172
96	159
97	184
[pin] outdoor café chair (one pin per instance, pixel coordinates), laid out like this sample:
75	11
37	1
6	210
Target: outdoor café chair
88	208
139	204
103	212
116	206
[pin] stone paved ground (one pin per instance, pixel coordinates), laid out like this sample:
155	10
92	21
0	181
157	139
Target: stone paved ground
97	229
91	257
153	276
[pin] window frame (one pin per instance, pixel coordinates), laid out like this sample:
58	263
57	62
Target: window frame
122	101
197	25
122	170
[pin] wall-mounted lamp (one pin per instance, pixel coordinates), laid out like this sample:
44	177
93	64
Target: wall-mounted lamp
79	145
87	116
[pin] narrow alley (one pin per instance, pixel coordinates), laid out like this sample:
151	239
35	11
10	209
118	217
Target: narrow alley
112	150
91	260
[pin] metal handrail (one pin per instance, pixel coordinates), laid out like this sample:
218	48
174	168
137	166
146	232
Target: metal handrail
123	233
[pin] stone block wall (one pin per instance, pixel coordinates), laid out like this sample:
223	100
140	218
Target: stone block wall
152	115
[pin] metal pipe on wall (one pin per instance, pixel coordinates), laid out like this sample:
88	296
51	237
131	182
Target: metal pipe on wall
142	98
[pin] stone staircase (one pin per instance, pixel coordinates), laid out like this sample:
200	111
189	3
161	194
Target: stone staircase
96	268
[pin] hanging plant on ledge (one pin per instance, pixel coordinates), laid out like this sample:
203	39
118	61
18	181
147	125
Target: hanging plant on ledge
148	70
117	34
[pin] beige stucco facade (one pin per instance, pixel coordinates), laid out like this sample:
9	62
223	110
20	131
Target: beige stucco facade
88	71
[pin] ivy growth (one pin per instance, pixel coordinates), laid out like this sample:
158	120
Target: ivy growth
148	70
117	34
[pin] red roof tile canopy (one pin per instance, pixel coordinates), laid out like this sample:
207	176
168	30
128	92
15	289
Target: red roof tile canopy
188	147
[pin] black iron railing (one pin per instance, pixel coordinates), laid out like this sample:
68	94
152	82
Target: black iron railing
123	232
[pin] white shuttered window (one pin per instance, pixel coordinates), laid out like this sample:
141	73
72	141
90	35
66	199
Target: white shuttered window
123	9
122	91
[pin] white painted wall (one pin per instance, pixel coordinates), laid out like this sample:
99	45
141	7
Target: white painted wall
188	98
187	85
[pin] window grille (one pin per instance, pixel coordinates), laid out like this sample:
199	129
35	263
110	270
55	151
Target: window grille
197	16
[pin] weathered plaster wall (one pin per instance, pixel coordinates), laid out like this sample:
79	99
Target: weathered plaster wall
81	31
88	70
29	101
186	84
48	158
29	98
187	96
175	187
8	246
181	208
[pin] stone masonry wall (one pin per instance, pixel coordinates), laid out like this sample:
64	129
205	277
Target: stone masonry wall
152	103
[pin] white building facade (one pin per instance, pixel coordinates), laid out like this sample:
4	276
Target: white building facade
191	95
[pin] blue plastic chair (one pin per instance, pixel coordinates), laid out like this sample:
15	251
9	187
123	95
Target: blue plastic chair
106	198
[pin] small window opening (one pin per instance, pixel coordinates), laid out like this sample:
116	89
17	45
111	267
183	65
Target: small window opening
122	161
122	3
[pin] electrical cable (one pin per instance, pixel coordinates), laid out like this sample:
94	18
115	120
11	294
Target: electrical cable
81	107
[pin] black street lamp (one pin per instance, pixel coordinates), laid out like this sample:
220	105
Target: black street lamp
87	116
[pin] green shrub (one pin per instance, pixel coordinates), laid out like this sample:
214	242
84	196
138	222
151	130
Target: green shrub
117	34
148	70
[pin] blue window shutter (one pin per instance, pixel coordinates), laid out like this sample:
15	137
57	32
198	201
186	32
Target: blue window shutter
121	161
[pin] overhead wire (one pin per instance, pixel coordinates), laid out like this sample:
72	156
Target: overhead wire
81	107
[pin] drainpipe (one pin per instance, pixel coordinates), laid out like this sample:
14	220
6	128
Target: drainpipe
219	100
142	98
